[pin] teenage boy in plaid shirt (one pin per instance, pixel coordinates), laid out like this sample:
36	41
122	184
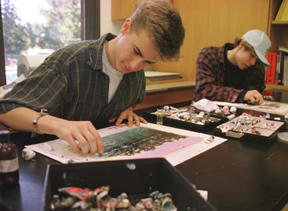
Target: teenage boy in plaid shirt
233	72
95	81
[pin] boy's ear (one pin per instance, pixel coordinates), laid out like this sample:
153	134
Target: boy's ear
242	42
126	26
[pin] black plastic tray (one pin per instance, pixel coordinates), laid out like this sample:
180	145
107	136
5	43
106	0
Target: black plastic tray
248	136
148	175
149	116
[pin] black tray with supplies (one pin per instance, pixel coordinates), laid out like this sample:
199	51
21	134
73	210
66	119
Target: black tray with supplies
181	117
249	126
137	178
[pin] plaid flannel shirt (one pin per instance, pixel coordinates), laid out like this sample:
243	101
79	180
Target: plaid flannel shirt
70	84
210	76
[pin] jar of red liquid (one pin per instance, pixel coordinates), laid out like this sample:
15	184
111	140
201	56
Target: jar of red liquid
9	164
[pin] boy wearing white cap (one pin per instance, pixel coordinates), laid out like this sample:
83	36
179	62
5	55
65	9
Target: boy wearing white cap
233	72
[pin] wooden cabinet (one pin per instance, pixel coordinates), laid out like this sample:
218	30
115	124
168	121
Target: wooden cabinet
122	9
169	96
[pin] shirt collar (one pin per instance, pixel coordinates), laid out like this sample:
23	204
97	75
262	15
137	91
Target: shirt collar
95	60
223	51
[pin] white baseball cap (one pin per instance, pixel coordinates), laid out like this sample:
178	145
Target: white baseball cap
260	42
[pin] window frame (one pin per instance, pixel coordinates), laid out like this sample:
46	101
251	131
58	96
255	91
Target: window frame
2	55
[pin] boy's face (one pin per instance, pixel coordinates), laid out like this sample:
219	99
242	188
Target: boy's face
134	50
245	58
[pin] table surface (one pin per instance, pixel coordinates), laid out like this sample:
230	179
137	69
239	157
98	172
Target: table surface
238	175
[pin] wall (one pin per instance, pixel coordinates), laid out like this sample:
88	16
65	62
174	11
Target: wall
214	22
208	22
106	24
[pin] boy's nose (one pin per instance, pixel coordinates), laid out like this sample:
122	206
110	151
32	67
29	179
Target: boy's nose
136	64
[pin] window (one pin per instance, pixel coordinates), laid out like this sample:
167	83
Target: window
38	27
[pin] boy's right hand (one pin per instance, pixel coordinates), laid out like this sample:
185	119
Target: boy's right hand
82	132
253	96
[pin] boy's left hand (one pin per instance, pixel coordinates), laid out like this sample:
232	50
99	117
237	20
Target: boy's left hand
131	117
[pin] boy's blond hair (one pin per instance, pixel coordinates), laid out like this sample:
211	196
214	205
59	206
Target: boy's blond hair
164	24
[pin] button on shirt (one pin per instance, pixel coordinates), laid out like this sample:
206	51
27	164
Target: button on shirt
70	84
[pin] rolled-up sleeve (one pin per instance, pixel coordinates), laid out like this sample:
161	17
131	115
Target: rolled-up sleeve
42	89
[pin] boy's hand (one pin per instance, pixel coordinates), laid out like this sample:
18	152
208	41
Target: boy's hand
83	132
131	117
253	96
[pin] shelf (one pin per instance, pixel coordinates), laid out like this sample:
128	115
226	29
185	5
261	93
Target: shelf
279	22
278	87
160	76
169	86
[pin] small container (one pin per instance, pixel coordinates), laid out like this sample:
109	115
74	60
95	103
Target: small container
160	115
9	164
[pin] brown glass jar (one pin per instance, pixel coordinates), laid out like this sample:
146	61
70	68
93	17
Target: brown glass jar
9	164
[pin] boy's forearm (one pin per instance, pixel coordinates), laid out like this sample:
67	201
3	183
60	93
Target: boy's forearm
84	132
22	119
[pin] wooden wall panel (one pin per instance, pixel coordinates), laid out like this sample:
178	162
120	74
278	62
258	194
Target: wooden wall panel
122	9
214	22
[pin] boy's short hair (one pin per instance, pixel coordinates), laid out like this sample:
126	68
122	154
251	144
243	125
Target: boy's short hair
164	24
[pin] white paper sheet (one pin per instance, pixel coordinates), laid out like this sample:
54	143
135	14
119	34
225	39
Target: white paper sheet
270	107
175	152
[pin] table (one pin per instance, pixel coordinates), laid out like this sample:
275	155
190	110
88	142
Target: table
237	175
